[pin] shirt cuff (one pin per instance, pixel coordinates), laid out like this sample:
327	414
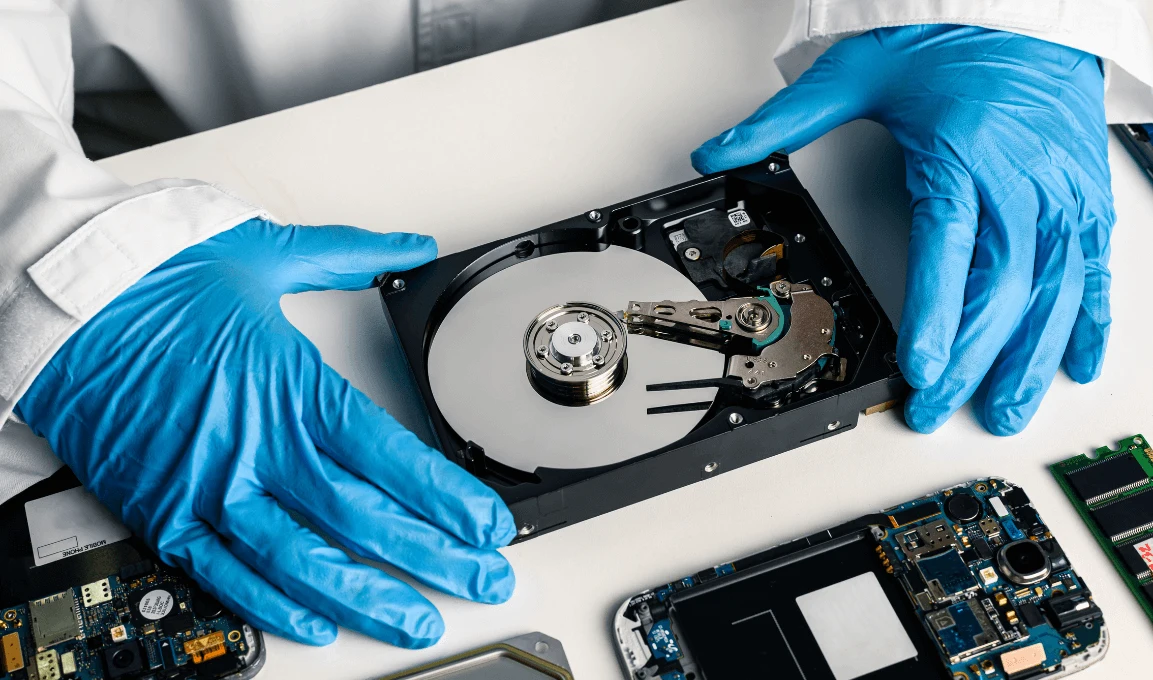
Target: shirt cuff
97	262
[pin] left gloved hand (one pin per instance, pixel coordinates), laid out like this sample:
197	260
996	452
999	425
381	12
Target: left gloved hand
194	410
1005	155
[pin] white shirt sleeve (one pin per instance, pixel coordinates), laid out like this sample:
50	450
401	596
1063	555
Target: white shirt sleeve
1117	31
72	236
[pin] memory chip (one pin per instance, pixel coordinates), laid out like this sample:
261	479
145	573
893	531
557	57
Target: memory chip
1107	478
1126	517
1138	557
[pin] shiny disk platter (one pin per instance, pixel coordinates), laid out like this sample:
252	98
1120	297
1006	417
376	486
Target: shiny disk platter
480	376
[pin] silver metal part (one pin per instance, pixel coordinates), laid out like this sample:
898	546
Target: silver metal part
578	367
693	254
535	656
477	365
717	324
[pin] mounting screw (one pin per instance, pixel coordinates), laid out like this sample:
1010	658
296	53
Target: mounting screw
566	368
398	284
826	282
526	529
824	331
598	360
751	381
541	351
781	289
799	238
772	364
606	335
807	357
550	326
594	216
736	418
692	254
712	467
833	425
773	167
583	316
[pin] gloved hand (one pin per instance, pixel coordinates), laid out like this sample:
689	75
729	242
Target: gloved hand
1005	153
201	416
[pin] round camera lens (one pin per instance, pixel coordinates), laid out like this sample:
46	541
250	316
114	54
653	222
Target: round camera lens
1024	562
124	658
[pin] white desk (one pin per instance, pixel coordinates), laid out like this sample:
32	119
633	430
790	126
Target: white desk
517	139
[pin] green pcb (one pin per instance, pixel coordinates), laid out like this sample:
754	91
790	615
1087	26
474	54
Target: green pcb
1113	493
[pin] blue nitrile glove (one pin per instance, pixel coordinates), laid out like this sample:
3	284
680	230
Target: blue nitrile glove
201	416
1005	155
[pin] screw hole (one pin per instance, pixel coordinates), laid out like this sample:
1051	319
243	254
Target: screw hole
524	249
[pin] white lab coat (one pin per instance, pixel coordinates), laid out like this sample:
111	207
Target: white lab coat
72	237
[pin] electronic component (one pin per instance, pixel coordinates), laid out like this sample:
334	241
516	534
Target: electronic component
1071	610
988	576
205	647
55	619
964	630
13	656
946	574
1107	478
48	665
96	593
1138	557
178	623
981	547
1120	512
662	642
123	660
527	657
1125	517
963	507
914	514
1031	614
928	538
737	303
93	625
1024	562
1023	658
896	594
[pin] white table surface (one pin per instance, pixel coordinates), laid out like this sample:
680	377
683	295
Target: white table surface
506	142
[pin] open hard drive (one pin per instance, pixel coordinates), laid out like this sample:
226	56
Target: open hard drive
605	359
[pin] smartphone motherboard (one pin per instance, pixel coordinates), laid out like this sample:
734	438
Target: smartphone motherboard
964	584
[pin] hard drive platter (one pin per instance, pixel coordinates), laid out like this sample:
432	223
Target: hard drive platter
623	353
477	366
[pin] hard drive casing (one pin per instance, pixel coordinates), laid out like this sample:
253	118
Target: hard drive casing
546	499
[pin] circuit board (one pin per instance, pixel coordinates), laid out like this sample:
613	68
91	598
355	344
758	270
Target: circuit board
1113	494
975	584
145	622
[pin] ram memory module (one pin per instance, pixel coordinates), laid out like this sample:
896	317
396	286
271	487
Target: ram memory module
1113	493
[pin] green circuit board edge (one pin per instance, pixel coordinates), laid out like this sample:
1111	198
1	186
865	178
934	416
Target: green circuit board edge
1136	447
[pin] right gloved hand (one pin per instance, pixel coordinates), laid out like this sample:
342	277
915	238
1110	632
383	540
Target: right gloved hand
201	416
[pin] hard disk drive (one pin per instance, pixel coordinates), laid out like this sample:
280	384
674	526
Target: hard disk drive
613	356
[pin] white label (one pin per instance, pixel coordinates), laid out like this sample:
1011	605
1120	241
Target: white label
855	626
678	237
69	523
998	506
739	218
156	604
1145	550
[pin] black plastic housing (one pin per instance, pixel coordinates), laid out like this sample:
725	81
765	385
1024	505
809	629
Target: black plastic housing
545	499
